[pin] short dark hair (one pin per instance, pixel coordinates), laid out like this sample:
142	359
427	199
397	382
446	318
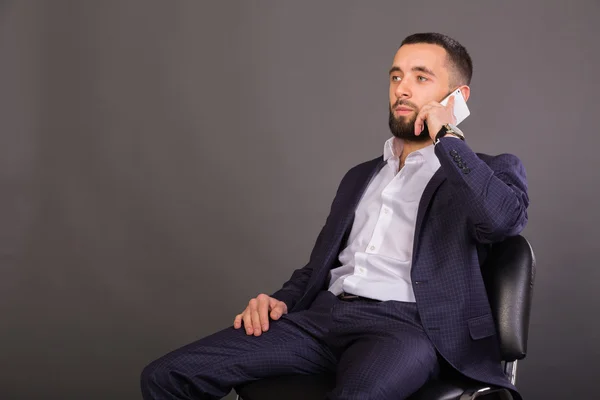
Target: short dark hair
457	54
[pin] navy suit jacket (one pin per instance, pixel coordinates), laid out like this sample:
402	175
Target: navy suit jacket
473	200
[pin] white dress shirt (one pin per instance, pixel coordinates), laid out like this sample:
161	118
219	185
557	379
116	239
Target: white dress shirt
377	260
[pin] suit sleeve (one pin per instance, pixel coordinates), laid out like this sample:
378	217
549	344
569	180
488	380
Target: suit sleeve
293	290
494	193
295	287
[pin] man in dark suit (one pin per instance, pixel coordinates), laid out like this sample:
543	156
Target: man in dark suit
393	287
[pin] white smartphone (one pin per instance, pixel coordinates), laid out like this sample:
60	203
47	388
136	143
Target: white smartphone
461	111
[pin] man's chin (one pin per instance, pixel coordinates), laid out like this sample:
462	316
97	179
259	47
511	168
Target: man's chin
406	132
404	128
411	137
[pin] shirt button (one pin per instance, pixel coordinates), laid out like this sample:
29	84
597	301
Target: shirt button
372	248
385	210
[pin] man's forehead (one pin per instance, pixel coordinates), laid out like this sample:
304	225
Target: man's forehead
420	54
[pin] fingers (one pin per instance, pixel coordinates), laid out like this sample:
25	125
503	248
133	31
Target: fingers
278	308
247	318
237	322
263	311
450	104
252	311
426	111
256	322
255	317
421	118
251	318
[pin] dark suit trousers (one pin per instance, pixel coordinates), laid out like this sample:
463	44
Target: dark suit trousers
378	350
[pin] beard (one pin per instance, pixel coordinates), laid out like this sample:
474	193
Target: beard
403	127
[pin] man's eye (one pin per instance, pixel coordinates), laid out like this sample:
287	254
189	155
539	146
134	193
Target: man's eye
396	79
422	78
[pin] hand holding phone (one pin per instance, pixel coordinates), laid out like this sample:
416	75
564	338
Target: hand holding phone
460	109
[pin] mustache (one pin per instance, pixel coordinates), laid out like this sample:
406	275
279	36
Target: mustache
405	103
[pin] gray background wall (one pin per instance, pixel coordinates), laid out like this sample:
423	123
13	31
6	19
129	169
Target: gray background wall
163	161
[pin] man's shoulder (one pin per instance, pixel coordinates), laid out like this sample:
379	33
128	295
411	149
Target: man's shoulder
362	168
366	166
503	160
487	158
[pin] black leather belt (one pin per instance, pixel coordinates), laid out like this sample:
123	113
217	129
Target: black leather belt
352	297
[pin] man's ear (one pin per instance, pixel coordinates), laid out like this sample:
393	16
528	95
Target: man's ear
466	91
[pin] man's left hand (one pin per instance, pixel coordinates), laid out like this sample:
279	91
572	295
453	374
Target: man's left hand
436	116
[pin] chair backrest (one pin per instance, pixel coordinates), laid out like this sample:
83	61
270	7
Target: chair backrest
509	273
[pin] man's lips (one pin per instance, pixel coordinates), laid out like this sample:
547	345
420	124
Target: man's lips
403	110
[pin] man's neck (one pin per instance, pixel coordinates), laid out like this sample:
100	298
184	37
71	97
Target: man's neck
405	147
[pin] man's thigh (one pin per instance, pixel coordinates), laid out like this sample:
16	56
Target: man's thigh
385	355
212	366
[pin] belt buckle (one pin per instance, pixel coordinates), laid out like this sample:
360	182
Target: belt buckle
348	296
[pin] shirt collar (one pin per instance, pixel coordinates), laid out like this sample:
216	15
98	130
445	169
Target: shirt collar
388	149
428	153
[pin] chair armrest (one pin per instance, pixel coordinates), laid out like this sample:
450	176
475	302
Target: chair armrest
486	393
509	273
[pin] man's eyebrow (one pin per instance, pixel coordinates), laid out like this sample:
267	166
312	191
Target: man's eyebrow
395	69
423	69
418	68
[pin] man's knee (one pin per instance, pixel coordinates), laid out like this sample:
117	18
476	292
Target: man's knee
166	377
183	374
155	379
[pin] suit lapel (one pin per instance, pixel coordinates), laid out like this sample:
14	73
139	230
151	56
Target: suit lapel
355	193
435	181
361	183
350	196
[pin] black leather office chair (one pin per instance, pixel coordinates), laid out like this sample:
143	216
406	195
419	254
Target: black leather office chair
509	272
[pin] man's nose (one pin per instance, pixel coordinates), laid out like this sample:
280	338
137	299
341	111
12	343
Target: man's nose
403	90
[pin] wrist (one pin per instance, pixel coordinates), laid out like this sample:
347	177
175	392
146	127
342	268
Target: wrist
449	130
451	135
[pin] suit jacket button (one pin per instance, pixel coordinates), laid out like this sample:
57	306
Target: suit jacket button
453	152
466	170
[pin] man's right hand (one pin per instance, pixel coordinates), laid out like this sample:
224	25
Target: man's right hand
256	316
